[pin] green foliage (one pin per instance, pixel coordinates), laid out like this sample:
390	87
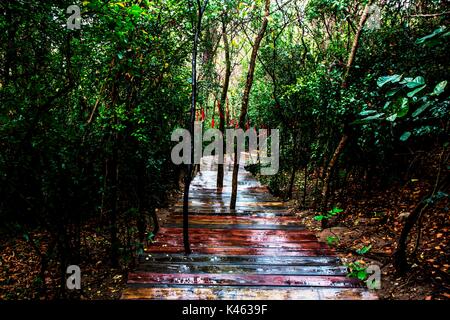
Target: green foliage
364	249
357	270
332	240
330	214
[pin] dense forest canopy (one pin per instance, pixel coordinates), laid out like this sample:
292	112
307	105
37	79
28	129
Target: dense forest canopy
358	90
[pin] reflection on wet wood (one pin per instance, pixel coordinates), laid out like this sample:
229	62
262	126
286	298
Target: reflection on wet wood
258	251
242	280
192	292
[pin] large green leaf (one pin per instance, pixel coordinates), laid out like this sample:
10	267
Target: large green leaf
373	117
435	33
421	109
405	136
440	87
386	79
413	93
418	81
401	107
392	92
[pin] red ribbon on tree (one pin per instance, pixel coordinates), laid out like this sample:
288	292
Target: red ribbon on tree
203	114
212	122
218	108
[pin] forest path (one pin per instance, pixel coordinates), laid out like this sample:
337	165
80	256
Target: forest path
258	251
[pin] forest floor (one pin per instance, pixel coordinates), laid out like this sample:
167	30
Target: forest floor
374	220
20	266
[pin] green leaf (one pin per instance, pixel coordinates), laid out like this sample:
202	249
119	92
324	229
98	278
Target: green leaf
421	109
413	93
392	117
440	87
435	33
319	218
362	275
364	249
331	240
386	79
405	136
418	81
392	92
367	112
374	117
401	107
406	80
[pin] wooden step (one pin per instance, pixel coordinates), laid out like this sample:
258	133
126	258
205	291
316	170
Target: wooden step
165	292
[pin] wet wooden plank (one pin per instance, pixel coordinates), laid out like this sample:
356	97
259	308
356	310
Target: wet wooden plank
249	233
199	243
242	280
245	293
215	212
237	212
226	204
254	226
207	259
245	268
242	251
232	220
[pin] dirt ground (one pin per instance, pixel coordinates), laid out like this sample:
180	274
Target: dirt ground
375	221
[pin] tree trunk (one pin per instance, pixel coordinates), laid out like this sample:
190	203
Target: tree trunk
189	171
329	170
400	258
223	97
245	99
345	137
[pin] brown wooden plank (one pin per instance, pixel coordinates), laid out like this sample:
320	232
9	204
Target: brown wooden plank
199	219
242	251
207	259
239	232
244	268
242	280
245	293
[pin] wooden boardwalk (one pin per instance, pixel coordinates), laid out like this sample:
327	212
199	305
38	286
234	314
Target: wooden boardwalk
258	251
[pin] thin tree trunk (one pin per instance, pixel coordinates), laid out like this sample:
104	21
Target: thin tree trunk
223	97
188	176
291	183
344	139
113	213
245	99
305	182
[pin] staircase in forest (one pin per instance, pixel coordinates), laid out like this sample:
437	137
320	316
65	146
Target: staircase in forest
258	251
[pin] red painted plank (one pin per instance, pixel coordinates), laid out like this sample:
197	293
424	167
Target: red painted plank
240	279
244	251
232	235
198	219
248	232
